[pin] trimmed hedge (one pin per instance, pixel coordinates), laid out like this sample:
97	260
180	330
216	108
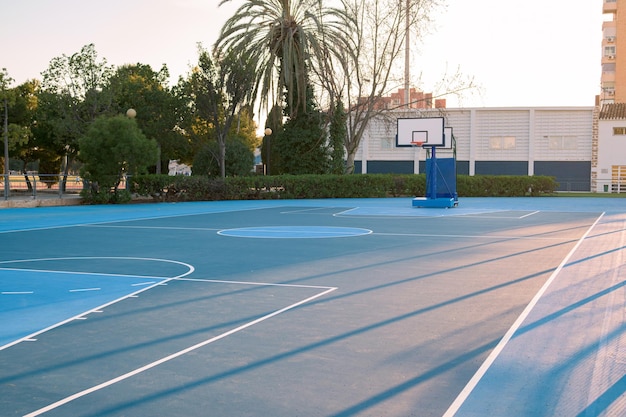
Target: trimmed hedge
199	188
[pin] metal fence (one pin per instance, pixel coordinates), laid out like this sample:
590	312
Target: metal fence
35	186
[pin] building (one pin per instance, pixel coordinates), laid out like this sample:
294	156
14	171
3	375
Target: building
417	100
583	147
554	141
608	173
613	79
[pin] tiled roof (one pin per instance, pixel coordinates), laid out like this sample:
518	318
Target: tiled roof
613	111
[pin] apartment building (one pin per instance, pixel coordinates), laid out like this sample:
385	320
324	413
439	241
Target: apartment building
417	100
608	158
613	79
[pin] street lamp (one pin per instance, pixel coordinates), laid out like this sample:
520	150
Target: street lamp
268	133
6	149
131	114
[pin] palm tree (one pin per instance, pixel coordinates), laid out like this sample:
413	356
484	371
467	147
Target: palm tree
283	38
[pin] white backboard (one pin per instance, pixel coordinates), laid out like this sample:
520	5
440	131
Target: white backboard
429	130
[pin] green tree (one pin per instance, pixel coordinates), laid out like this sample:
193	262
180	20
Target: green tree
73	94
269	155
6	97
22	116
146	91
337	137
217	89
239	159
112	148
281	37
301	147
240	145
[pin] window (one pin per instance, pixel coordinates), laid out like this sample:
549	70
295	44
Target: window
387	143
609	51
619	130
556	143
608	67
502	142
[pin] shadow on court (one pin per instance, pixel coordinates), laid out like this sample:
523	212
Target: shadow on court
282	309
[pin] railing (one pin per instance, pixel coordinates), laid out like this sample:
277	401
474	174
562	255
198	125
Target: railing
39	186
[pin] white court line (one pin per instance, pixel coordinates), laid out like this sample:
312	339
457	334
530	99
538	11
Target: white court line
190	269
85	289
99	274
529	214
265	284
138	218
460	399
108	226
16	292
472	236
174	355
309	210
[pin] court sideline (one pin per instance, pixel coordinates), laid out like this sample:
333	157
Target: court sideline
324	278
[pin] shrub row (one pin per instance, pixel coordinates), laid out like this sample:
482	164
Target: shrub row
198	188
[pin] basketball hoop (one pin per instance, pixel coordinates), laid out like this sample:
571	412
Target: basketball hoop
418	144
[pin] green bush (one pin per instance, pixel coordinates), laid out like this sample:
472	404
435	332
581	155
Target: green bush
202	188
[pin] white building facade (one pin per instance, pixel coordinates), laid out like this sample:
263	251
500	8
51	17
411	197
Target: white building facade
609	152
553	141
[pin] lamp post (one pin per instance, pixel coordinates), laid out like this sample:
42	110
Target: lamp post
131	114
6	148
268	133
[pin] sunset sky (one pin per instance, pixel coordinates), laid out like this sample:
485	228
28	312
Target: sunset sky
522	52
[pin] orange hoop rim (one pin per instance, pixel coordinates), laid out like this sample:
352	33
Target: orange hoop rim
417	143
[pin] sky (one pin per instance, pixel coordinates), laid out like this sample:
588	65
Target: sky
520	52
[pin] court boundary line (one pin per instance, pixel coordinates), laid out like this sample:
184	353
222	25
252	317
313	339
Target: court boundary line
482	370
164	281
189	349
132	219
494	237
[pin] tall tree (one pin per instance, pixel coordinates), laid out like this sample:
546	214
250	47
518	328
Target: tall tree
337	137
281	37
141	88
73	95
301	147
371	65
218	88
6	96
24	125
269	155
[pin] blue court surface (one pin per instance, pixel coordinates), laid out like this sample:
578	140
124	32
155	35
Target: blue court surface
349	307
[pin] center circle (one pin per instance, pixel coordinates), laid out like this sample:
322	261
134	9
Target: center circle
294	232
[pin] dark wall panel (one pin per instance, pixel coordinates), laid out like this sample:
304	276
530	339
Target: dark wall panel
501	168
571	175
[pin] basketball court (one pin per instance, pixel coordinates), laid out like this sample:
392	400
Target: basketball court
347	307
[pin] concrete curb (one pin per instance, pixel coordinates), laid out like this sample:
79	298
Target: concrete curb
44	202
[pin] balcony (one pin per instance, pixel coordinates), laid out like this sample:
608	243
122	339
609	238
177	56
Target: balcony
608	59
607	76
609	6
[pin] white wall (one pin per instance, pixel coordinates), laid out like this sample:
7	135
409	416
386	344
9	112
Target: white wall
537	132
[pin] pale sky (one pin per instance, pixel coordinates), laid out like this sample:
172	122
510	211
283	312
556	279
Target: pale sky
522	52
